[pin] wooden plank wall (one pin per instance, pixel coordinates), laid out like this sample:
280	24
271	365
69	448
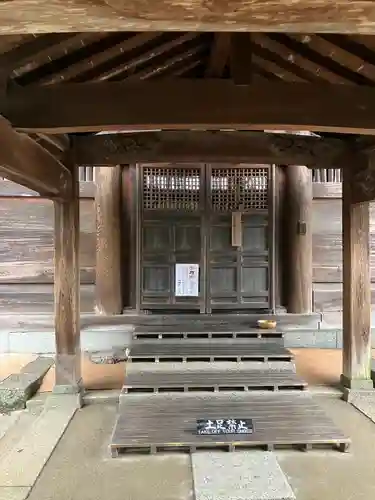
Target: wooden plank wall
27	249
327	249
26	246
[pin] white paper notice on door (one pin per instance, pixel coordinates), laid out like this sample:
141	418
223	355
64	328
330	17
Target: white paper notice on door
187	280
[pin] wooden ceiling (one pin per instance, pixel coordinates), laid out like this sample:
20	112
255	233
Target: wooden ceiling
82	57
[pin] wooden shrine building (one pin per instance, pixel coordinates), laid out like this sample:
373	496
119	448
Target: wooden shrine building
197	136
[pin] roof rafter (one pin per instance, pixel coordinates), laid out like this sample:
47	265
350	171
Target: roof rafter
361	68
296	59
145	57
91	61
160	68
322	60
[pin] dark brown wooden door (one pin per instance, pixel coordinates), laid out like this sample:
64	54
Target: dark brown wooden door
186	218
170	233
239	276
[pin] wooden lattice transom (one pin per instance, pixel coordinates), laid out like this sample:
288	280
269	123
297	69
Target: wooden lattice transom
240	188
171	188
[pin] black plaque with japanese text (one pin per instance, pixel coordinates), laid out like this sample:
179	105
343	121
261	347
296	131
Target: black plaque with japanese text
214	426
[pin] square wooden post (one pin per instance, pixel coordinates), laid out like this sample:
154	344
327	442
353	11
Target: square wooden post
356	370
67	285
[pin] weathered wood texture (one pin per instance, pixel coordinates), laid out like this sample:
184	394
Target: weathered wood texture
29	298
12	189
128	232
49	16
66	287
108	240
186	103
356	287
181	380
327	253
33	166
26	241
281	255
299	236
190	146
327	190
279	419
241	58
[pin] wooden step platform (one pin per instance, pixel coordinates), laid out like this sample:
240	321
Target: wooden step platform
207	351
211	381
204	331
167	422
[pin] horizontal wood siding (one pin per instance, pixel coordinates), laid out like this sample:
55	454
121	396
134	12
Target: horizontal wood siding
327	247
27	249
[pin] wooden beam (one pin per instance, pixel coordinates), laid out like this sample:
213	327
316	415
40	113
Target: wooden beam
61	142
298	228
185	104
207	147
363	178
108	245
24	161
356	288
219	55
241	58
52	16
66	289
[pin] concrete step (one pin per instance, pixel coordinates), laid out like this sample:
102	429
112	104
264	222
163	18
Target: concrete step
27	446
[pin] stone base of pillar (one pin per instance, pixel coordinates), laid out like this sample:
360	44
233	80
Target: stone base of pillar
352	395
357	384
68	388
64	399
352	387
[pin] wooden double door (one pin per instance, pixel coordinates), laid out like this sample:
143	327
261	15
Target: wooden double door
205	238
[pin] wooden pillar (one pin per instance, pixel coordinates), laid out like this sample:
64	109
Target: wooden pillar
66	288
298	231
356	287
280	237
108	242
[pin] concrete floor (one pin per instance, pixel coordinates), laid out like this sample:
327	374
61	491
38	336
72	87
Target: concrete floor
80	467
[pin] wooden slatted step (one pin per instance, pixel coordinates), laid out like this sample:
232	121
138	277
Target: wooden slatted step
206	351
211	380
204	331
167	422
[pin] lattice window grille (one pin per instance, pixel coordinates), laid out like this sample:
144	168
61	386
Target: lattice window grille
171	188
327	175
239	189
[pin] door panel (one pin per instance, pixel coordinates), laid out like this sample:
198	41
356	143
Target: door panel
238	276
169	234
186	218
